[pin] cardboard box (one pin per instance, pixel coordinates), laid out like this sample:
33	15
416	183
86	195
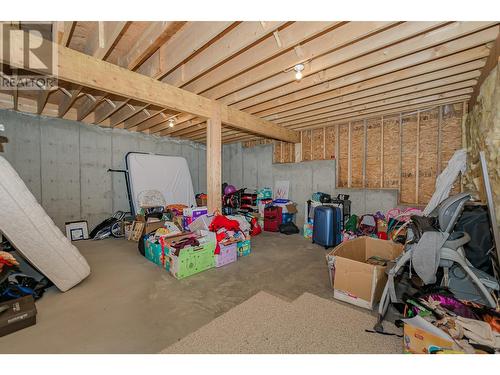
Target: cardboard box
17	314
354	280
421	337
193	259
157	253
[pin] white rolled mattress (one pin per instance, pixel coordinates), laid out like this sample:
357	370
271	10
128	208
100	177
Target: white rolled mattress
33	233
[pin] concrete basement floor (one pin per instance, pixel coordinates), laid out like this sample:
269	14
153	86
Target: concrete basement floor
130	305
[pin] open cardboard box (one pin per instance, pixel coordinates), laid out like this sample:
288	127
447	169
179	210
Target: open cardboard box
355	281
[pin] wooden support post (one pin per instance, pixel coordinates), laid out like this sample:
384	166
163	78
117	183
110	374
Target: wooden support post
440	122
337	147
382	152
349	173
417	161
365	154
324	142
400	153
214	156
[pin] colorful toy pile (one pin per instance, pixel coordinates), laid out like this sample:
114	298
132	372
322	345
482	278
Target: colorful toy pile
208	242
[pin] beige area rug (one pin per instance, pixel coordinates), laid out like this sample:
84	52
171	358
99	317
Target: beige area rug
268	324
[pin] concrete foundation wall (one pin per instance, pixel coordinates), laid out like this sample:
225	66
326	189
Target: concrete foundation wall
64	163
252	168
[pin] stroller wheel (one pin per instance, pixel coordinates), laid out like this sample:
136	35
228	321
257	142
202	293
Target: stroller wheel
116	230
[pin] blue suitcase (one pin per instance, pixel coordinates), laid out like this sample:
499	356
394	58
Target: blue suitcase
327	230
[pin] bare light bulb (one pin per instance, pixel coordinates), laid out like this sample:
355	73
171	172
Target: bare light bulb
298	71
171	123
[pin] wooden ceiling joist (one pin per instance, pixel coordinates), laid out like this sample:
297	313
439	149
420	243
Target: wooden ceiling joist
87	71
352	71
157	34
418	83
139	75
192	37
407	53
235	40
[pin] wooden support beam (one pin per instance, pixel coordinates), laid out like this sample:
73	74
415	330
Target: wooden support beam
84	70
214	162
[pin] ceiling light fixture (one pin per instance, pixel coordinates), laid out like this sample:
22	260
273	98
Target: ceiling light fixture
171	122
298	71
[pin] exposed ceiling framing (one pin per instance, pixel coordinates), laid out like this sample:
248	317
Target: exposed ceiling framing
127	73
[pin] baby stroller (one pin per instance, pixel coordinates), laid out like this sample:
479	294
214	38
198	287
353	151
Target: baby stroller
112	226
442	248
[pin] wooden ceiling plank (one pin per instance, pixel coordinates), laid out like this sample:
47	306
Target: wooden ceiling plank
238	38
157	34
84	70
363	79
369	87
431	45
184	43
439	85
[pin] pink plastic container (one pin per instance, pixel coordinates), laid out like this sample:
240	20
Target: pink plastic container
228	254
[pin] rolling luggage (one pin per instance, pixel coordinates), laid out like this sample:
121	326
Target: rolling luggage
327	230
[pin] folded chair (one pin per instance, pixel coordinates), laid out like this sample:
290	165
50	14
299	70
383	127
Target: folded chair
443	248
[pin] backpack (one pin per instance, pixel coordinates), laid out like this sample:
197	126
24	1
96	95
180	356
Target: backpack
289	228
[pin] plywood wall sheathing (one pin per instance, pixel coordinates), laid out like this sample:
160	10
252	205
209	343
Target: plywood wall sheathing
357	153
428	150
373	152
451	134
277	152
330	142
307	145
409	159
391	153
318	144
